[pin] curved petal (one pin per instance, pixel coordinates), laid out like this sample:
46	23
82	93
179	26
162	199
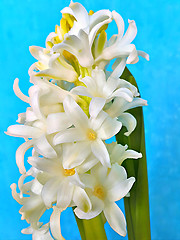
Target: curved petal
18	92
81	199
109	128
55	223
117	72
130	33
79	12
20	155
128	121
43	147
120	23
97	208
115	218
143	54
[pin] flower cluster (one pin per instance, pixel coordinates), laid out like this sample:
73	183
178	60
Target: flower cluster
75	106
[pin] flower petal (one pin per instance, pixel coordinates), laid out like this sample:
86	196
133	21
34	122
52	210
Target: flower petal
24	131
49	191
65	194
18	92
128	121
97	207
55	223
96	105
43	147
68	136
75	113
115	218
81	199
20	155
109	128
100	151
57	122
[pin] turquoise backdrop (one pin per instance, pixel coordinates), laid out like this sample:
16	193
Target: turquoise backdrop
28	22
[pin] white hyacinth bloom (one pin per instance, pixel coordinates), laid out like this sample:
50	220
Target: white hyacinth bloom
118	153
67	122
90	130
103	91
60	185
104	190
52	65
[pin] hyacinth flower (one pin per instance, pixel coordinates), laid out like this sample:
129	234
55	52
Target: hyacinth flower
75	105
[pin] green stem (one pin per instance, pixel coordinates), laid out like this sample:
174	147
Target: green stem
94	229
91	229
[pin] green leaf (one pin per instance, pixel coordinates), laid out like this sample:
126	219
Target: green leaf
137	205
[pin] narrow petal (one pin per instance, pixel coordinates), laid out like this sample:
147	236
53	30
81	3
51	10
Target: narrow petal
55	223
143	54
128	121
49	191
24	131
20	155
100	151
120	23
115	218
90	162
117	72
65	194
68	136
97	207
130	33
18	92
96	105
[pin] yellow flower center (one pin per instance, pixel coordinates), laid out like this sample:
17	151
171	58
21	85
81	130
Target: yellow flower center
91	134
69	172
99	192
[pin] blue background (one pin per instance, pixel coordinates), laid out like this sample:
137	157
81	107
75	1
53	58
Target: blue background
28	22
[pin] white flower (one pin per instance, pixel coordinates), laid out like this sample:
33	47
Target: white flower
43	118
118	108
89	130
78	41
60	185
51	65
42	233
118	153
33	206
103	91
104	190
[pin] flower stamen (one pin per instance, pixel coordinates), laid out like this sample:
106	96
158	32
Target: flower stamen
91	134
69	172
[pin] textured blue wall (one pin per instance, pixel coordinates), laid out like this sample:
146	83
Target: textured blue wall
25	23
